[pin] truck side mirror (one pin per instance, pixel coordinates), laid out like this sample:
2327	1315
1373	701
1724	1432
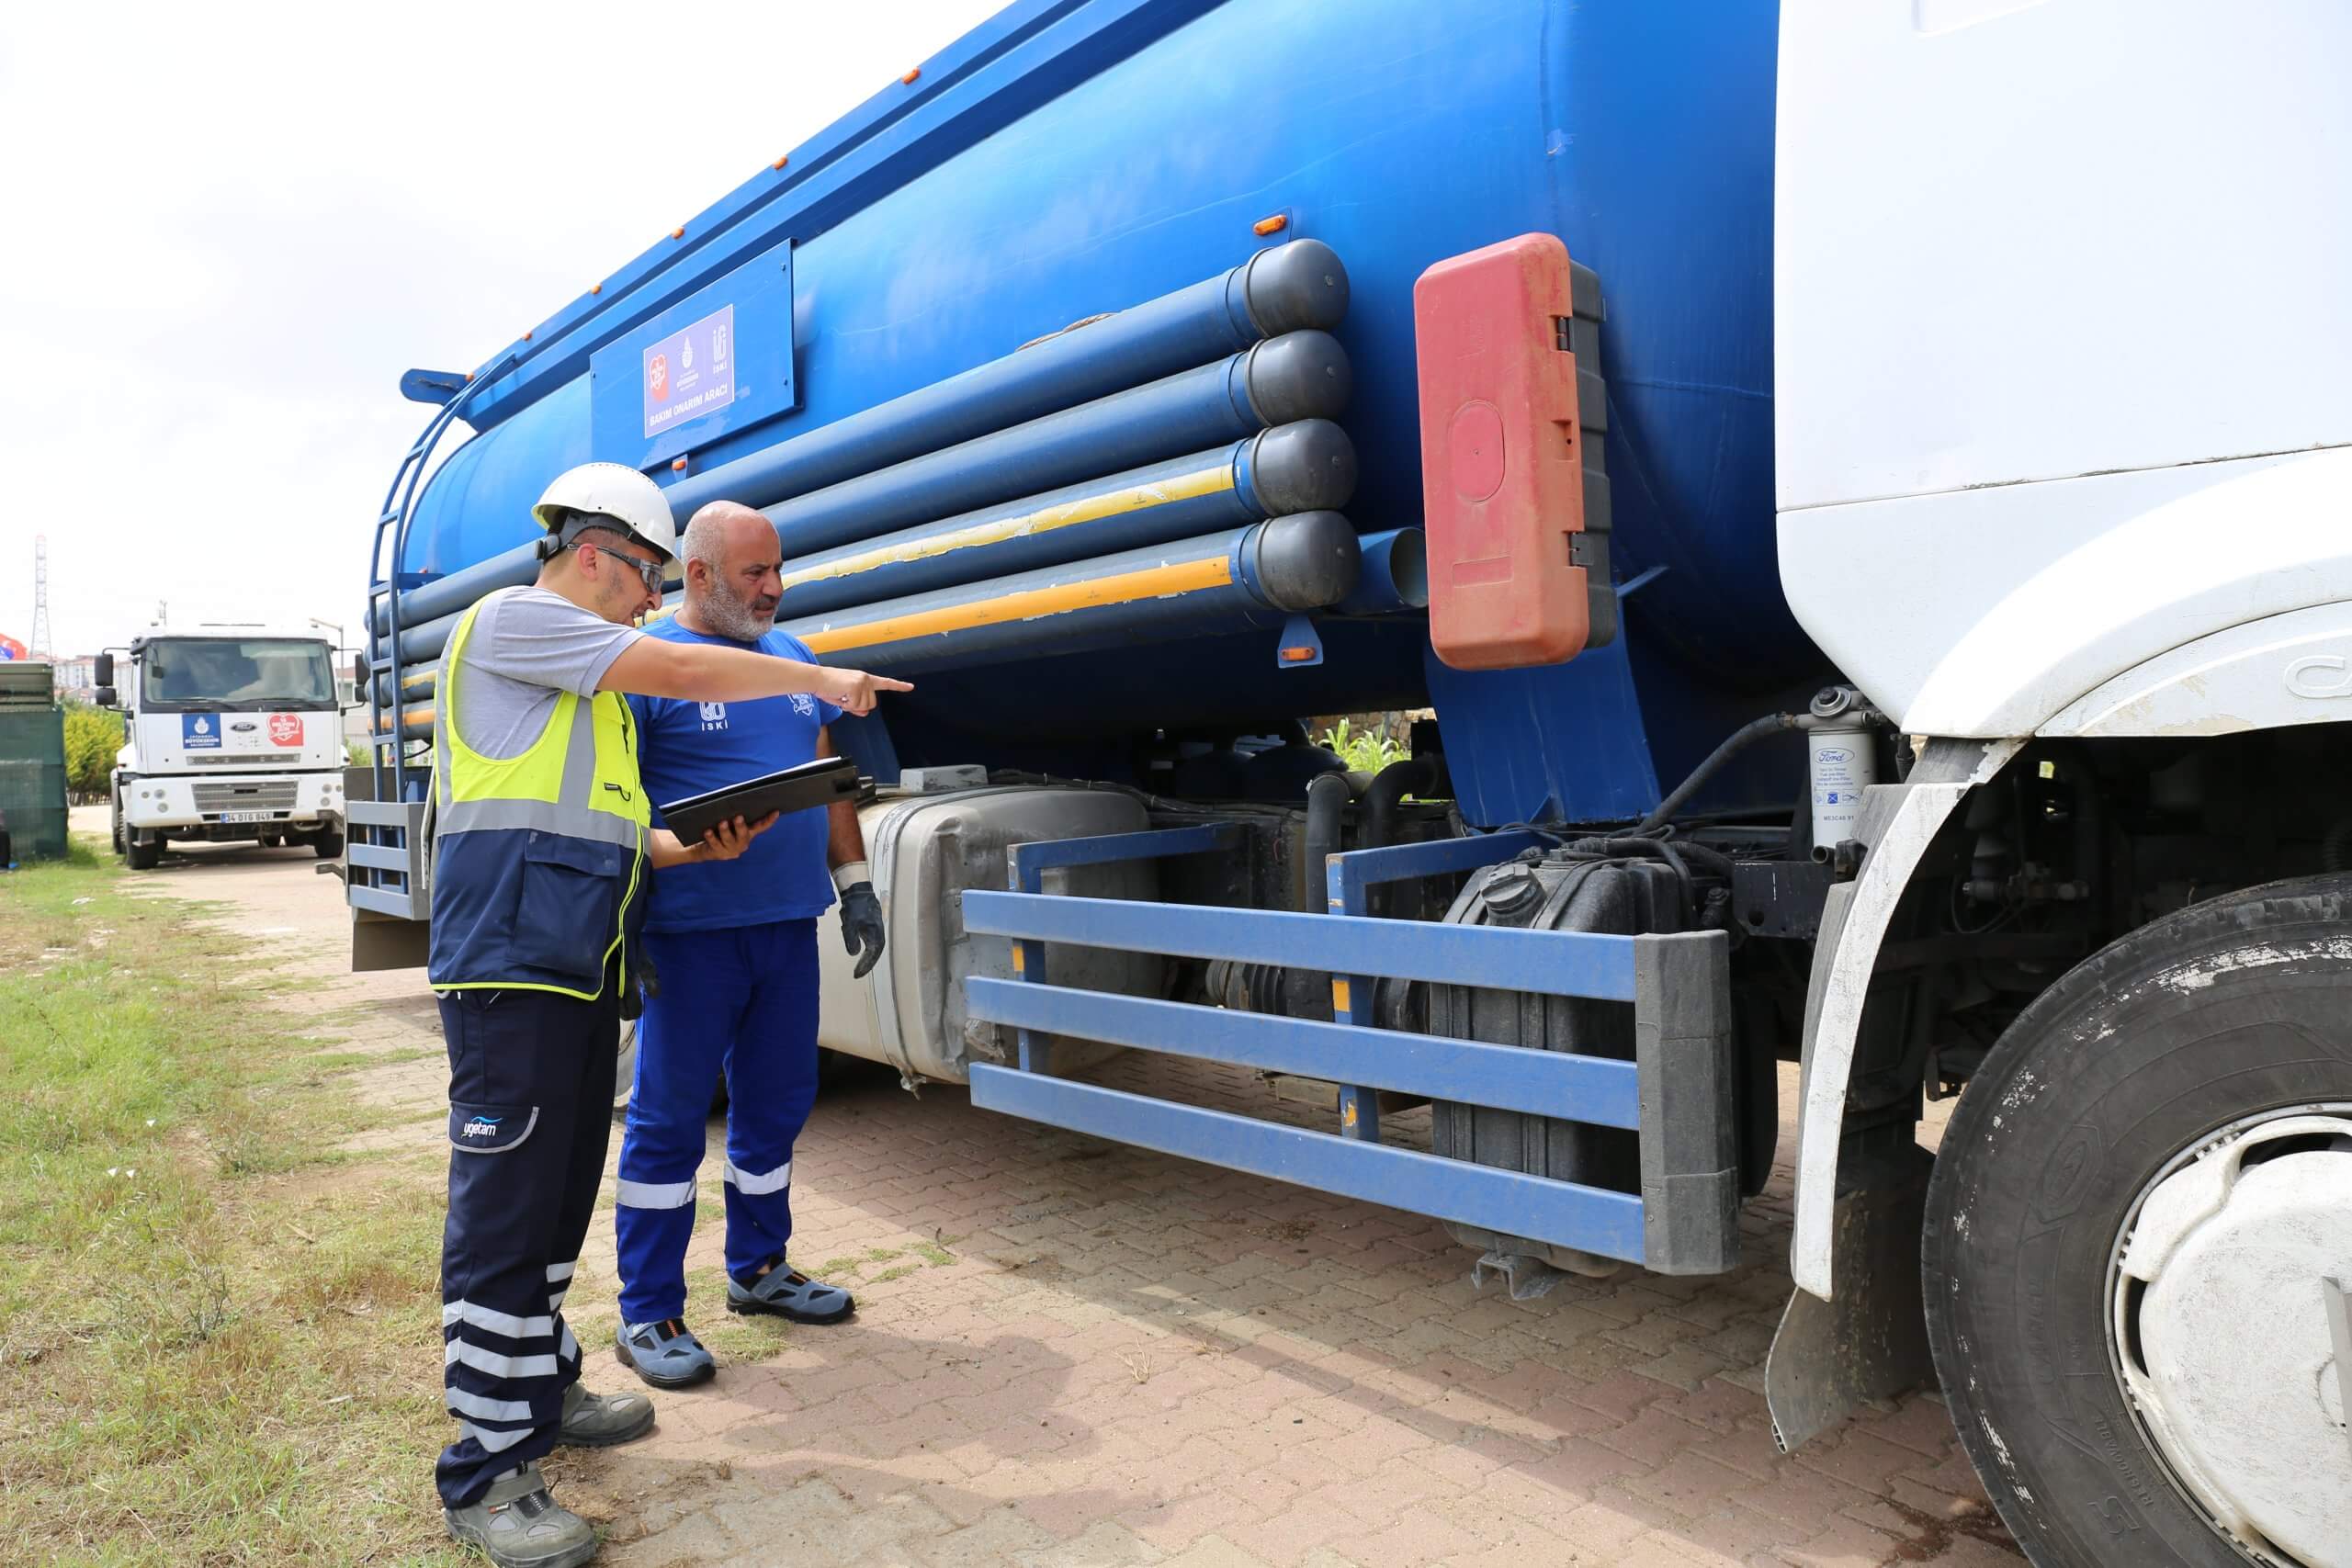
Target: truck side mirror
102	673
106	696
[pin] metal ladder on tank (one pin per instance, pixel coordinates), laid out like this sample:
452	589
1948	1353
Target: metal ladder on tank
382	847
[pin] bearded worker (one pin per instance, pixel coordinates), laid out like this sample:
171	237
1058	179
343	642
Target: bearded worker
735	943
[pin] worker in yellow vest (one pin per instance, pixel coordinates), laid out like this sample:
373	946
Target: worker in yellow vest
540	853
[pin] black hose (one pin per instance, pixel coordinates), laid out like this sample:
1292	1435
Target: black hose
1326	803
1680	855
1389	788
1741	738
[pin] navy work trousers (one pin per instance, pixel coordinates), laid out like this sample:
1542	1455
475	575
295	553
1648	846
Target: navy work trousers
530	1115
741	1002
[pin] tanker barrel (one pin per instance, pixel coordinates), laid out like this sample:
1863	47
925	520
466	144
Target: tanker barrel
1306	465
1396	575
1298	287
1301	374
1204	586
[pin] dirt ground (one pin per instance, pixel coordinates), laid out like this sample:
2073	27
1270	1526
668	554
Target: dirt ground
1073	1353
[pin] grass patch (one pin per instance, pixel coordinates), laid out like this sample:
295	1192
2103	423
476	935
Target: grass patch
216	1345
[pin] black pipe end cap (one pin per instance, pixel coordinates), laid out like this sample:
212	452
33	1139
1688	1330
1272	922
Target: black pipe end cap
1308	464
1307	560
1302	284
1300	375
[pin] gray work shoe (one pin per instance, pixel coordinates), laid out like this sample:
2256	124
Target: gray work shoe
788	1294
599	1421
665	1354
517	1525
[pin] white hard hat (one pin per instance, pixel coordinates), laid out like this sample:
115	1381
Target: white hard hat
620	492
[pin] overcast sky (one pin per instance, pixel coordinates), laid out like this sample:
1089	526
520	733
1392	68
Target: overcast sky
225	232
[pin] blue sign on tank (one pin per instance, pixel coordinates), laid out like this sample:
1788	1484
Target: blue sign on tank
717	362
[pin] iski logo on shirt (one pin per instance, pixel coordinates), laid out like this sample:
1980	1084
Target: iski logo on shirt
714	716
803	704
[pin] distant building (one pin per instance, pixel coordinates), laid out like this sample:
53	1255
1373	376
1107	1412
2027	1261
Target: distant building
77	678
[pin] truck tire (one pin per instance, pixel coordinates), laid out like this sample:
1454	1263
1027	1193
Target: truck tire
121	843
2131	1222
142	857
327	846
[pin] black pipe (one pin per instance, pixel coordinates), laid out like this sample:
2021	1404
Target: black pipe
1326	805
1388	790
1741	738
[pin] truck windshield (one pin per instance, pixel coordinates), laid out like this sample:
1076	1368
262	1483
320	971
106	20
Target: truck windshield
183	674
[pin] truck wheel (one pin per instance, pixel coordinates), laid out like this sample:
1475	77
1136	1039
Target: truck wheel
327	846
120	841
2138	1231
139	856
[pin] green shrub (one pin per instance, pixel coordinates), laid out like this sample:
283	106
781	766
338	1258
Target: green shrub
92	737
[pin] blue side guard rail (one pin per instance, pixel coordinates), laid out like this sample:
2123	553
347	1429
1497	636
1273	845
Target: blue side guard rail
1675	1094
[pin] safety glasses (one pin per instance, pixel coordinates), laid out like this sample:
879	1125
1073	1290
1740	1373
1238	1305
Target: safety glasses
653	571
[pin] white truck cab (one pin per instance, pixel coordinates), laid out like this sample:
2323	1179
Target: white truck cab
2064	474
231	733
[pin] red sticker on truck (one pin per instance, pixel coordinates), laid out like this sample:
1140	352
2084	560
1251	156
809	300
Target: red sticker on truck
286	729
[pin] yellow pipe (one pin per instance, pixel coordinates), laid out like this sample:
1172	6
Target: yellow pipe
1126	587
1067	514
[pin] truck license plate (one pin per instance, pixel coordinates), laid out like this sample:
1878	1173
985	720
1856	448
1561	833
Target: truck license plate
247	816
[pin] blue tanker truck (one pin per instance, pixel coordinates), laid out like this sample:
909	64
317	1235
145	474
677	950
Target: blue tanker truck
1875	616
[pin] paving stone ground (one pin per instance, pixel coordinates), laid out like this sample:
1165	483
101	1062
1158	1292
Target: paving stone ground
1068	1353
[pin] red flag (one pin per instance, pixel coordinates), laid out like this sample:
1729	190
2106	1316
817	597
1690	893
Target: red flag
11	649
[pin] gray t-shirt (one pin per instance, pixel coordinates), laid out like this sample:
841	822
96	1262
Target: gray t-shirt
527	645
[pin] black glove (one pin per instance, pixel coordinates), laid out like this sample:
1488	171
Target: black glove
862	925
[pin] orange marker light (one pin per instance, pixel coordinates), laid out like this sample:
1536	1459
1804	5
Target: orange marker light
526	337
780	162
1298	655
679	232
596	288
677	465
1275	225
909	79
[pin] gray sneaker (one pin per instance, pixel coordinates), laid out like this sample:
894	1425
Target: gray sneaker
665	1354
601	1420
517	1525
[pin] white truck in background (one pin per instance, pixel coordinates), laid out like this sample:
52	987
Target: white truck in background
231	733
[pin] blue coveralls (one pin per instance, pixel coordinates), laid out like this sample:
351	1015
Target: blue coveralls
733	944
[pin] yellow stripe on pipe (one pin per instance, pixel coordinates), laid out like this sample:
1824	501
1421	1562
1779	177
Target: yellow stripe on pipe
409	719
1067	514
1125	588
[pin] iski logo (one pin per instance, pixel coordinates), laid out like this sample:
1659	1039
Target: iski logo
657	378
286	729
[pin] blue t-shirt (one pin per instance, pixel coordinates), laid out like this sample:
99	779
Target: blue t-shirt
692	747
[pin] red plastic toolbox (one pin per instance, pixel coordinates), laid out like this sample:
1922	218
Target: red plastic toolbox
1502	471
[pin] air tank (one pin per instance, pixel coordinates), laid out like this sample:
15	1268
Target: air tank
1118	166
